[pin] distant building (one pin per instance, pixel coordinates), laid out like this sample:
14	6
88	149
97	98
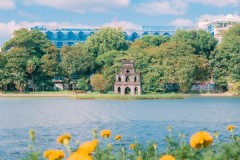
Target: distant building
69	37
128	80
219	24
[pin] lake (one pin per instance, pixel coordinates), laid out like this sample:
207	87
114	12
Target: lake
144	120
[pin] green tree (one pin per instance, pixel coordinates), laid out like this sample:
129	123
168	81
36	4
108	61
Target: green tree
15	68
31	54
110	63
225	60
83	84
76	62
31	67
105	40
50	62
172	62
20	81
152	40
203	42
34	42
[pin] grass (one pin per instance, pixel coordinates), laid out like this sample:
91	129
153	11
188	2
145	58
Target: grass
39	92
128	97
93	95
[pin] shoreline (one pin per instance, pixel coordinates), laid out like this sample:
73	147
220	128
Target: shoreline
94	96
213	95
115	97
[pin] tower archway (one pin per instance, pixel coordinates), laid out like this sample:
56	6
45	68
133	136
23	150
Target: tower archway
119	90
127	90
136	90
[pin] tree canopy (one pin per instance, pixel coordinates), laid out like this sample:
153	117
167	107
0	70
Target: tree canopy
225	60
202	41
29	55
30	61
105	40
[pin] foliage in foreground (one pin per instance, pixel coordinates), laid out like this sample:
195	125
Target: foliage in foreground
200	147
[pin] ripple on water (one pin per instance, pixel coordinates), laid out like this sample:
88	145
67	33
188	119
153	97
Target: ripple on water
141	120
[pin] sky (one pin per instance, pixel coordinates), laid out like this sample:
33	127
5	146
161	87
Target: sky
129	14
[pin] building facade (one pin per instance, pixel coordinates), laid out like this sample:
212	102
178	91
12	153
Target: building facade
217	25
69	37
128	81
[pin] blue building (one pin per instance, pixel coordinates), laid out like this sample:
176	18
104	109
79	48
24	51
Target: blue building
69	37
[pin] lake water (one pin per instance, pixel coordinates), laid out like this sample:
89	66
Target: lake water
143	120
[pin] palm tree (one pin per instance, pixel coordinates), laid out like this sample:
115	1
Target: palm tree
20	81
31	66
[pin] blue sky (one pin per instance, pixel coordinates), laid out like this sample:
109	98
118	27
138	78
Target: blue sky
15	14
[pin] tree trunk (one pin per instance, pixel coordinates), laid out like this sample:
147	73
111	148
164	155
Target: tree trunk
33	83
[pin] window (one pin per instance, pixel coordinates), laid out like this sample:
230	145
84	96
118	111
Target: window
60	35
59	44
70	43
127	79
82	36
71	35
119	79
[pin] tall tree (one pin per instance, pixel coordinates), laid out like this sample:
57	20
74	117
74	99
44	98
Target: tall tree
35	42
50	62
225	60
154	40
203	42
76	62
24	52
105	40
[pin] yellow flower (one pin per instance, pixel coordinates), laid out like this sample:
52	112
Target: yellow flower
64	139
105	133
47	153
54	154
84	151
230	128
201	139
88	147
167	157
118	137
132	146
80	156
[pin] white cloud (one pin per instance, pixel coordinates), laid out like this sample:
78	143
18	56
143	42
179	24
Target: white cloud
81	6
123	24
210	17
182	22
218	3
7	29
174	7
178	7
7	4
